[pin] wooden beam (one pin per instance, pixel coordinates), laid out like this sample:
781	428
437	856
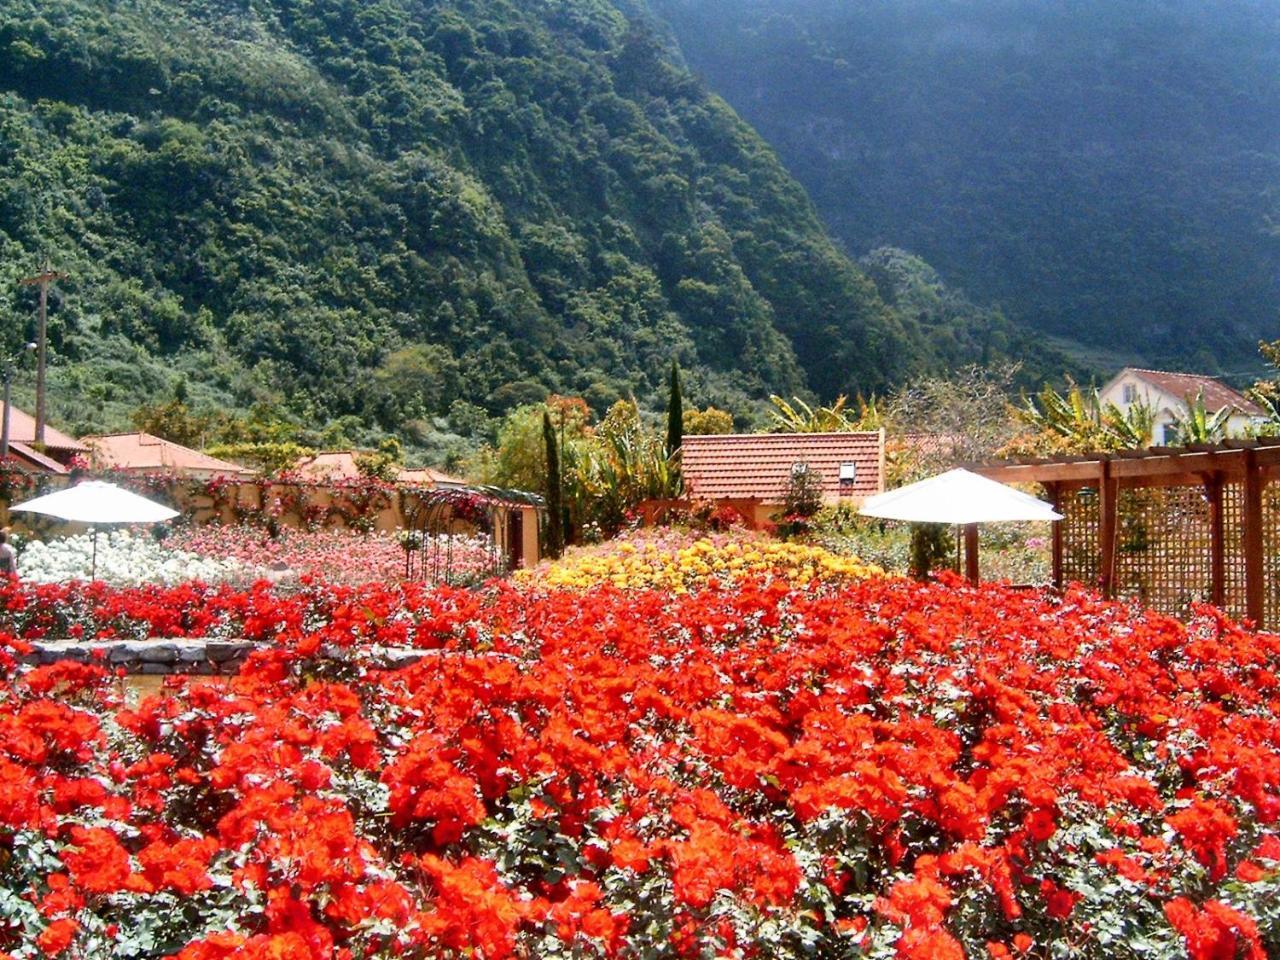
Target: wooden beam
1083	470
971	553
1108	495
1217	542
1182	464
1254	578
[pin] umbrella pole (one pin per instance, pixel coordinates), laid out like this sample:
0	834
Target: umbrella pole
971	552
93	570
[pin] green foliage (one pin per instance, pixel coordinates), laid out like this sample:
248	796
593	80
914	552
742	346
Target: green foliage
361	213
381	464
1106	172
554	490
1078	421
605	469
268	457
675	413
708	421
173	420
932	546
801	503
799	417
1197	424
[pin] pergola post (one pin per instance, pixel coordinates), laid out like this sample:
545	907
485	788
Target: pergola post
1108	497
1217	541
1254	580
1055	497
971	553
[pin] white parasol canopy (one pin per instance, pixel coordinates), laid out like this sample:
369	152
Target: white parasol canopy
93	501
958	497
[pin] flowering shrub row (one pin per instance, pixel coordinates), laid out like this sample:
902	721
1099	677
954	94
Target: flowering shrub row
668	560
406	614
125	559
877	769
332	556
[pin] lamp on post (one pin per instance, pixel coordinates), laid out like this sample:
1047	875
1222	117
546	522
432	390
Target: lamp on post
7	366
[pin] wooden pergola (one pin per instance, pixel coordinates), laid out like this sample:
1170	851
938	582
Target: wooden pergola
1219	495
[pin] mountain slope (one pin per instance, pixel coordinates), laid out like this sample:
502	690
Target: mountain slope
364	212
1106	172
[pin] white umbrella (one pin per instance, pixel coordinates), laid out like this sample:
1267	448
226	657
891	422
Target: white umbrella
94	502
959	497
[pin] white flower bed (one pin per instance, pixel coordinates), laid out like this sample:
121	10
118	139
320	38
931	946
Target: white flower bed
125	559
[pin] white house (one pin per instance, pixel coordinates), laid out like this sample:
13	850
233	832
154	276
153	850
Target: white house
1169	393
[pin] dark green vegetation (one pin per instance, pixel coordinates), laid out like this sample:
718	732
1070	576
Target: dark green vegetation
411	216
1108	172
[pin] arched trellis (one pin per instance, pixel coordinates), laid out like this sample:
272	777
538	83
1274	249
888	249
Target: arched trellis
431	514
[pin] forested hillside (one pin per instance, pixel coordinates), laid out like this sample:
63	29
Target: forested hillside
1108	172
406	215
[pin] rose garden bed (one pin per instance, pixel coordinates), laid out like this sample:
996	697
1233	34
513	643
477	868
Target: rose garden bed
871	768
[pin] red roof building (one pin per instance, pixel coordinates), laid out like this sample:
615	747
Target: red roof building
1169	395
332	465
1187	386
58	446
428	477
760	466
147	453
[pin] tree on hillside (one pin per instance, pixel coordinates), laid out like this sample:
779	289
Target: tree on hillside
708	421
555	500
675	413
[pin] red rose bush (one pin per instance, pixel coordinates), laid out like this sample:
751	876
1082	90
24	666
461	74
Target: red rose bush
877	769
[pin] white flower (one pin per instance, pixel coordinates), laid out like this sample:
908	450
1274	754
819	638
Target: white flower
123	559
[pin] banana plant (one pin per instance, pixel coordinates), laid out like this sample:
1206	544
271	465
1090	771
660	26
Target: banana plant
1198	425
798	417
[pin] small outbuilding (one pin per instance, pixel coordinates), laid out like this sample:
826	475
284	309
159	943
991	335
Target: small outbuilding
147	453
752	472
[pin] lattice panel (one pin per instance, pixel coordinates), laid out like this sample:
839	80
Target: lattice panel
1164	548
1233	549
1081	543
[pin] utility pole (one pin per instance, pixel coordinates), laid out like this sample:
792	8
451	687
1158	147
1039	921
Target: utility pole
46	276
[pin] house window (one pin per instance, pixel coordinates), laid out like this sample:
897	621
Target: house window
1130	393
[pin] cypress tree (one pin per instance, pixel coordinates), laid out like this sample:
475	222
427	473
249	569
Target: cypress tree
555	496
675	413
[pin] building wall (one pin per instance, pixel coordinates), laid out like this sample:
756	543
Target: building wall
1165	404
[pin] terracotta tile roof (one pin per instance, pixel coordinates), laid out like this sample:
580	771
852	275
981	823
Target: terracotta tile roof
341	465
329	465
22	428
145	451
1186	385
428	477
742	466
29	456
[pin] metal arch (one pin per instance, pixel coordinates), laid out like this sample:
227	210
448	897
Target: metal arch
431	513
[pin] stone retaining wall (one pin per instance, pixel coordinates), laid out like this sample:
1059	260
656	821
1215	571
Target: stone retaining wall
187	657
